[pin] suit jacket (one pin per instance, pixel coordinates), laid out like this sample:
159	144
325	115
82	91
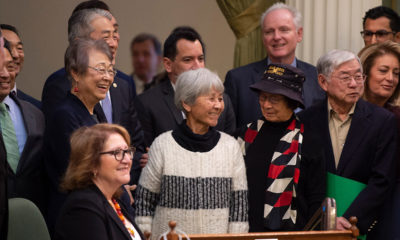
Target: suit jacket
29	180
70	115
124	113
368	155
87	215
23	96
245	101
129	80
159	114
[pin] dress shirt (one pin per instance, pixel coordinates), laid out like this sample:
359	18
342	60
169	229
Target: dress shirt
294	63
14	88
107	112
18	121
338	130
139	84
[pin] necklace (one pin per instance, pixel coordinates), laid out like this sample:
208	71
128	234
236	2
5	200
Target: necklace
121	216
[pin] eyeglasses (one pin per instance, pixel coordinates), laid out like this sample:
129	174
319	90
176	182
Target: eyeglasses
119	154
380	34
274	99
346	79
103	71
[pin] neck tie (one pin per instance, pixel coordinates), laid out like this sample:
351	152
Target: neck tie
106	105
9	137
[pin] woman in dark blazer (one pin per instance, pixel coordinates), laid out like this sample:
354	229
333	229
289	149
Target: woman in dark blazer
89	67
381	64
100	163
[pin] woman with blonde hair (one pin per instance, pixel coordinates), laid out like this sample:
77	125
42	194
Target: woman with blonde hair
381	64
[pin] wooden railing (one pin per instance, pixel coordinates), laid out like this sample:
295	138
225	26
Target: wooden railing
351	234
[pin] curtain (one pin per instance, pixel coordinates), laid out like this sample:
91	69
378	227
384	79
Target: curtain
243	16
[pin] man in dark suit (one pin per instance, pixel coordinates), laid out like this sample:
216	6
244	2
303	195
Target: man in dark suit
120	96
17	52
183	51
360	138
282	30
25	172
4	76
146	60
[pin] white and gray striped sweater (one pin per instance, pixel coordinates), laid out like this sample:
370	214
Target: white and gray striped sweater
203	192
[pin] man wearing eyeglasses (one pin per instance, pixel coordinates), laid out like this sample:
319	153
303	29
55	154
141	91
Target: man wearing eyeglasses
359	138
380	24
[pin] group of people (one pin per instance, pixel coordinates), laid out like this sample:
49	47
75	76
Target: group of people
250	154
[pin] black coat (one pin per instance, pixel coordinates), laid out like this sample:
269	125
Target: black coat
368	156
310	190
23	96
158	112
70	115
87	214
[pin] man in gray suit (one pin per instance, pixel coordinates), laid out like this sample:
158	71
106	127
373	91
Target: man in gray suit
282	30
22	129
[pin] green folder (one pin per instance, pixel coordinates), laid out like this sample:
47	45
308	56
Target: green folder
344	190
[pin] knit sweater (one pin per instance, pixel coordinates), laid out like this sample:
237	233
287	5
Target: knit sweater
204	192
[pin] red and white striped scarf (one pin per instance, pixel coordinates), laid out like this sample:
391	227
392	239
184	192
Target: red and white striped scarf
283	175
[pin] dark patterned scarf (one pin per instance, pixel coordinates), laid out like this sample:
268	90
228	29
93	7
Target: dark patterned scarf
283	175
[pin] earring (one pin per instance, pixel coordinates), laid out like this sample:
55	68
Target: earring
95	174
76	89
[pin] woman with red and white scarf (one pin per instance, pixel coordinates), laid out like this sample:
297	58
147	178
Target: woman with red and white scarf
284	164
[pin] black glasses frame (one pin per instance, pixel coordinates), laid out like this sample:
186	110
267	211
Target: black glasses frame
116	153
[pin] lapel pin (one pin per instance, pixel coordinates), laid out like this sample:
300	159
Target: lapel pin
115	85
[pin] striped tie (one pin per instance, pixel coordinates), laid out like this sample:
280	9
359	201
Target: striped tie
9	137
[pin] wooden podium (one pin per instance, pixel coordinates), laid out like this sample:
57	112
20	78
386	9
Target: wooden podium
351	234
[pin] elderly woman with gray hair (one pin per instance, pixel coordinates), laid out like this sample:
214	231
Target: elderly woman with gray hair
91	72
195	175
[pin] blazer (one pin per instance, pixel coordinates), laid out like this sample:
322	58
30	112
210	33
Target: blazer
87	214
70	115
23	96
124	113
158	113
29	181
245	101
369	155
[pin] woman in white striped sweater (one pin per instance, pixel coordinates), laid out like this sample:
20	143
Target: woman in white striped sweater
195	174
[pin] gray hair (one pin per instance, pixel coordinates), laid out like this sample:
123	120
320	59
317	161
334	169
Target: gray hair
194	83
79	24
295	13
77	55
329	62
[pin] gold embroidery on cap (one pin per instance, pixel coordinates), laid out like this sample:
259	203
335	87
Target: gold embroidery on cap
276	70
